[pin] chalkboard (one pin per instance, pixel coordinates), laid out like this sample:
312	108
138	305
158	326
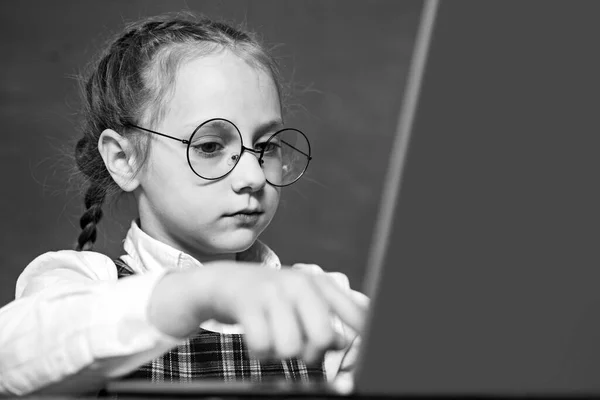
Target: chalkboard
347	59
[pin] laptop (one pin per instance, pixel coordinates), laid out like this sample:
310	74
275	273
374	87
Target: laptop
484	270
491	283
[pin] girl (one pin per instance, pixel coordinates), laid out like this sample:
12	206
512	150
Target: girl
186	115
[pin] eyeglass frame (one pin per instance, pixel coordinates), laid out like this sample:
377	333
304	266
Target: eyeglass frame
188	142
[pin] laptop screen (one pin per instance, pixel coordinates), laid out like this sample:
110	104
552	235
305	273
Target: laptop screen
491	273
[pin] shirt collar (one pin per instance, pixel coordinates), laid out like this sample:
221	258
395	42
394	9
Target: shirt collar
147	254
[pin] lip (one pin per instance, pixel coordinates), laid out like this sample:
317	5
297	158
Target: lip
246	217
246	211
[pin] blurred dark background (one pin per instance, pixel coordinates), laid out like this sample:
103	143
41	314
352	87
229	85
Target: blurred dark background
347	60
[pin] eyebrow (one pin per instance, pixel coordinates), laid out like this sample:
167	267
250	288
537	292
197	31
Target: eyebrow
262	129
268	127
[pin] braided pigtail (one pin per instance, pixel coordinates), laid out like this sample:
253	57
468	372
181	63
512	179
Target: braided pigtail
90	163
94	197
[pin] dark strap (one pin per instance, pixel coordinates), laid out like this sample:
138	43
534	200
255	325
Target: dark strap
123	269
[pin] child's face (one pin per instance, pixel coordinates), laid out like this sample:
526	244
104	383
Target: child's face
190	213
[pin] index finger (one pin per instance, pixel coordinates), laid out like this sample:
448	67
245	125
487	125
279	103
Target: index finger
351	312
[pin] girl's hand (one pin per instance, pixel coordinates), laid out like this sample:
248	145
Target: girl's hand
284	313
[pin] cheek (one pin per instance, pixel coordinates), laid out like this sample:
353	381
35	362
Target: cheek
160	162
273	196
169	167
167	179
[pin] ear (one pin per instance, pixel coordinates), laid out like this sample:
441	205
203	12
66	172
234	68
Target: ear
119	158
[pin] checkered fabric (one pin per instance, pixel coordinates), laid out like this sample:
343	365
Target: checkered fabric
214	355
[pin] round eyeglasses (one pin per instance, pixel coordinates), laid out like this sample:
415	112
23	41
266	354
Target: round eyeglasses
215	147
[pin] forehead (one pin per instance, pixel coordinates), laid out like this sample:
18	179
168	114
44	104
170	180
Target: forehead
222	85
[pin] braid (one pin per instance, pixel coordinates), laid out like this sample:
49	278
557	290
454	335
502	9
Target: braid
94	197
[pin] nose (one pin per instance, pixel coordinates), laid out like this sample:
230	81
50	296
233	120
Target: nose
248	174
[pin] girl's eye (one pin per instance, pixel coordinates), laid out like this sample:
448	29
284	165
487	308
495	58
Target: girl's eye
268	147
208	147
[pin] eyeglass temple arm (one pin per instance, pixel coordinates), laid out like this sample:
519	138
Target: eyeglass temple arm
161	134
298	150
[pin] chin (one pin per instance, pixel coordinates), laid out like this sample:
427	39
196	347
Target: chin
236	242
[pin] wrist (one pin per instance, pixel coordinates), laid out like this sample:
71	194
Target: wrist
200	289
181	301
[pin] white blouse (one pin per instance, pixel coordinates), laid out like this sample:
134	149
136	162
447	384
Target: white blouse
73	322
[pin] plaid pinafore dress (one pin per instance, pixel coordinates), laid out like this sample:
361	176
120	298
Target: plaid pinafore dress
212	355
